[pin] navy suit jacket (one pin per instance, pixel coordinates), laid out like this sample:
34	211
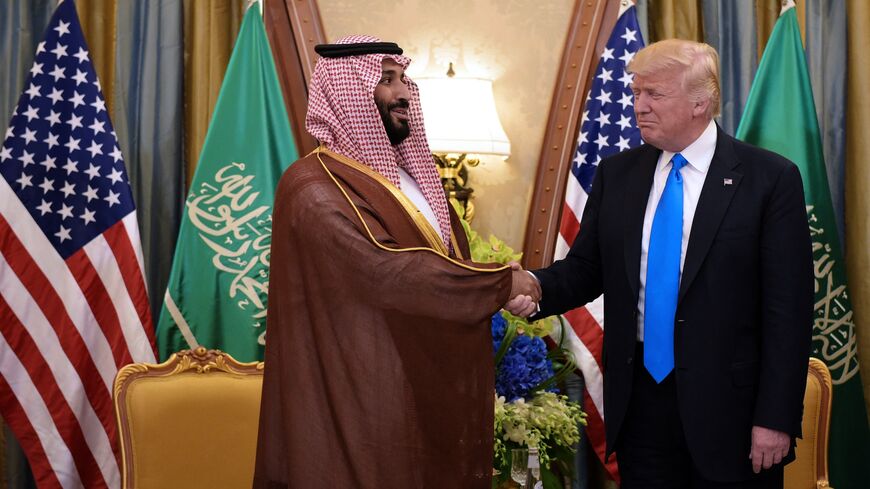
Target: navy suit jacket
744	317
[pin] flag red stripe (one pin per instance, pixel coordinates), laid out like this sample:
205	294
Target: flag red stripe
28	353
589	332
101	305
591	335
597	437
52	307
569	226
125	255
16	418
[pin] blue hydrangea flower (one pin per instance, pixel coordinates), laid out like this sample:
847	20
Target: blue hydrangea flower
524	365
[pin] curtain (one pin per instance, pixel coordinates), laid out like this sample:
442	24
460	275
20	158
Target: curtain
857	178
21	26
147	91
675	19
730	28
825	41
99	26
210	30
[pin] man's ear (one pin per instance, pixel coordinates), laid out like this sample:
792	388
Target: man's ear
700	108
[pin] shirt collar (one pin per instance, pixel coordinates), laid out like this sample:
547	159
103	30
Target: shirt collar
699	154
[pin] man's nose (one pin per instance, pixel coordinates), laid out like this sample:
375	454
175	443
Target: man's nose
403	92
640	104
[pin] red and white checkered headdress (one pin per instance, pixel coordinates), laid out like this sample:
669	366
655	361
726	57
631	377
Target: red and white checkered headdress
343	116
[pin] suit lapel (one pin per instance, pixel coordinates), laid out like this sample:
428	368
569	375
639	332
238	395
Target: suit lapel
637	195
719	187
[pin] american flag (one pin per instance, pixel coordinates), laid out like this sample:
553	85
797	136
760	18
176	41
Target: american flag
607	127
73	304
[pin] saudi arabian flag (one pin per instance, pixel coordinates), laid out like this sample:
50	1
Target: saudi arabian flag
216	297
780	116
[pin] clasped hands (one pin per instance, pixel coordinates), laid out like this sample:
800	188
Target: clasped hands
525	292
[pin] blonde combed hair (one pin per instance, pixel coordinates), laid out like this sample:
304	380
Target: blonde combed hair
699	63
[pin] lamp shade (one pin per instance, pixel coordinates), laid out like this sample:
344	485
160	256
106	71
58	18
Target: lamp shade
461	116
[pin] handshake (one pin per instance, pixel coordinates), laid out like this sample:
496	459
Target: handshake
525	292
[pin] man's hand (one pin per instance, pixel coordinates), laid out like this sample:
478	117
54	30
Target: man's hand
521	305
525	292
524	283
769	447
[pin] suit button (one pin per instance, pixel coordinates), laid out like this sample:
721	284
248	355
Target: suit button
629	360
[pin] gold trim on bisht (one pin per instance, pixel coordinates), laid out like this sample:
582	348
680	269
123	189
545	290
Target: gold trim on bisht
431	235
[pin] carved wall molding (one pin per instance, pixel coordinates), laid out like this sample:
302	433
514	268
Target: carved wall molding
592	21
294	27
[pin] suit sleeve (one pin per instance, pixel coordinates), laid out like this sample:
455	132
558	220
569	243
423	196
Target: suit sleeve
576	279
787	306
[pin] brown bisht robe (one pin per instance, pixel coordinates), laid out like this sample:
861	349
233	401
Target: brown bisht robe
379	364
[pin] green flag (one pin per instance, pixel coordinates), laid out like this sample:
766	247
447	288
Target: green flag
217	291
780	115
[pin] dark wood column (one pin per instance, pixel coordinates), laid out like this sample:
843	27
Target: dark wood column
294	27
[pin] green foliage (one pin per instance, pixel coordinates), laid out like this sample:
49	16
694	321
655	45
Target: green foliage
492	250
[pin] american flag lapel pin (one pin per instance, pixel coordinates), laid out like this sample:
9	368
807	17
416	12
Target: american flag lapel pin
727	181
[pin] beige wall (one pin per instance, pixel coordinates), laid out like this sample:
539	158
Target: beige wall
516	43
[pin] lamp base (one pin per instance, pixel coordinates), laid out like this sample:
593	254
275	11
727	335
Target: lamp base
454	177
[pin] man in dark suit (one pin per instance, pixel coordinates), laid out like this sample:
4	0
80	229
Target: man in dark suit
700	245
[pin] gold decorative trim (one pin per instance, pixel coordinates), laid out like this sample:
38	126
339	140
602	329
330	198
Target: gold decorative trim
819	370
371	237
199	361
429	233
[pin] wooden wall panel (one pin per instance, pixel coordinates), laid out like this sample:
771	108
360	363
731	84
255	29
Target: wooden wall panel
294	28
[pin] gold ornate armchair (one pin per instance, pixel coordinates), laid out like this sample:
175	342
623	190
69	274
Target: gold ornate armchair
190	421
810	469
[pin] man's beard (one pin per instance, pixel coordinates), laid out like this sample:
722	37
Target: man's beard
397	131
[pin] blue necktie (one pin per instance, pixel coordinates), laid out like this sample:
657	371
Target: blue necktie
663	276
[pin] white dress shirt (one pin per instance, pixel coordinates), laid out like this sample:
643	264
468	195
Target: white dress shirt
699	154
411	189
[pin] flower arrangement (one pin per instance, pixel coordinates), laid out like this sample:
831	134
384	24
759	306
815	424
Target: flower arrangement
523	364
529	412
